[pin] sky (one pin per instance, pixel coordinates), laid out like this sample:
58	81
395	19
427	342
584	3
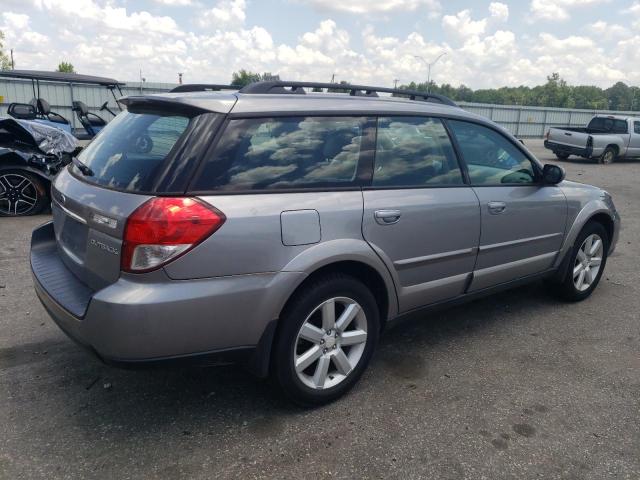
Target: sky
488	44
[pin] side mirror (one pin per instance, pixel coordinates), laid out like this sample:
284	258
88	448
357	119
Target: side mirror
552	174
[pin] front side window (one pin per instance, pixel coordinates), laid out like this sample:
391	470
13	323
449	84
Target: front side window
129	152
414	151
490	157
288	152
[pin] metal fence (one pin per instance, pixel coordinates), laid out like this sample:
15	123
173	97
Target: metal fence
524	122
533	122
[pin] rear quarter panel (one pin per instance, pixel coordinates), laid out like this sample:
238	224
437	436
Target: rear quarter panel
251	241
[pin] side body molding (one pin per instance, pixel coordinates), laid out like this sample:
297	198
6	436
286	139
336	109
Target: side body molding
340	250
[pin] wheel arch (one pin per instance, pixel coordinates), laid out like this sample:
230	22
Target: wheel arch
615	147
356	259
595	211
13	161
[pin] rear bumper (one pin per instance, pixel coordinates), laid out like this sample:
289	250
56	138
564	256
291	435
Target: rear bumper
149	318
568	149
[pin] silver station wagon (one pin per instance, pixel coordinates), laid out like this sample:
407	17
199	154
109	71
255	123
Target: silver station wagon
282	227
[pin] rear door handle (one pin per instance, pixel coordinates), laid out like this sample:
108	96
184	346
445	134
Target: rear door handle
387	217
496	208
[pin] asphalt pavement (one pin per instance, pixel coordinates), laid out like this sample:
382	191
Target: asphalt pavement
514	386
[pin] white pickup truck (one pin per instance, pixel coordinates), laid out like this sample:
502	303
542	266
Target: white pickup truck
605	138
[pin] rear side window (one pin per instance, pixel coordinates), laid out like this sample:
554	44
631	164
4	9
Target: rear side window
130	151
490	157
287	152
636	127
608	125
414	151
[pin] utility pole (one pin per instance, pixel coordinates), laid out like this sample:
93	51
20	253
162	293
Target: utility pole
142	80
333	77
13	67
395	84
180	78
429	65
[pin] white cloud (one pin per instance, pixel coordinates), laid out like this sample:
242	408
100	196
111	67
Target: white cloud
608	31
226	13
462	26
376	6
499	11
557	9
15	20
175	3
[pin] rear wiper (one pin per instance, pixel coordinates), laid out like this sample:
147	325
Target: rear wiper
86	171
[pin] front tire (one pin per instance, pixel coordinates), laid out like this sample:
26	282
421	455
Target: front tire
586	264
562	156
326	339
21	193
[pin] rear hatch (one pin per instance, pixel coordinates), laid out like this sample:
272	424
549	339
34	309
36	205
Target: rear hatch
141	153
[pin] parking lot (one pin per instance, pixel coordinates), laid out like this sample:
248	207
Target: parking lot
518	385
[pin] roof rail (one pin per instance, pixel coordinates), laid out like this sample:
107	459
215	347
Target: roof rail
202	87
282	87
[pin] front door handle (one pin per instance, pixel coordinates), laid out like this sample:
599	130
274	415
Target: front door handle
496	208
387	217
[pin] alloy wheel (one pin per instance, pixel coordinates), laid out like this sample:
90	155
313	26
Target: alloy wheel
18	194
588	262
330	343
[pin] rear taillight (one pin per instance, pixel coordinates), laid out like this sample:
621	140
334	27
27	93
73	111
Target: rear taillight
163	228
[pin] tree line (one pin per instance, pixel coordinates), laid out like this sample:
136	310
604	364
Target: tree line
556	92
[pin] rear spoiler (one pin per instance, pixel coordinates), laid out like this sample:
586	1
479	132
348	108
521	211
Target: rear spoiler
160	104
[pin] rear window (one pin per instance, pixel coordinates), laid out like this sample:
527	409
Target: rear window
608	125
287	152
130	151
414	151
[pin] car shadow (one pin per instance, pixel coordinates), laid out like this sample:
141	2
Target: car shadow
211	401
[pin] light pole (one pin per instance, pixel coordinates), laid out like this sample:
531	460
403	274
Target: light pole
429	65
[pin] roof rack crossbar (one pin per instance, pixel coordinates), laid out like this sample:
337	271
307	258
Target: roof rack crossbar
283	87
202	87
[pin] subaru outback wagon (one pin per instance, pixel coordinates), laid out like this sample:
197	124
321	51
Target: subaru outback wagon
283	229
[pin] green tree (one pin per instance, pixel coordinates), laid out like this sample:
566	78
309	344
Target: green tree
65	67
619	96
244	77
5	61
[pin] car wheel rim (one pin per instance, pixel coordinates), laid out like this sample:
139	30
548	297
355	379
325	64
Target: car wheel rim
588	262
330	343
18	194
608	157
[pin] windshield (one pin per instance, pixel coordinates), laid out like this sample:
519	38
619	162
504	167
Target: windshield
130	151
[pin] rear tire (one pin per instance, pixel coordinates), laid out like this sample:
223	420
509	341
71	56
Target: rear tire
21	193
608	156
587	261
562	156
315	360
